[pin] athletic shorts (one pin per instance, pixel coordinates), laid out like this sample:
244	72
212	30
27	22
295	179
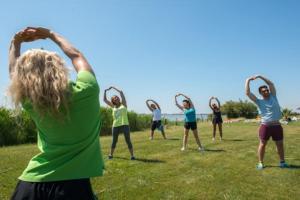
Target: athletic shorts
80	189
190	125
274	131
217	120
156	125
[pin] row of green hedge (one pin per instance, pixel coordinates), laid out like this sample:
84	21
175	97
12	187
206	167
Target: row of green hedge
20	129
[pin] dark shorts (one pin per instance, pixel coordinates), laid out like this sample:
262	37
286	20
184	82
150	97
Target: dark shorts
190	125
58	190
217	120
274	131
156	125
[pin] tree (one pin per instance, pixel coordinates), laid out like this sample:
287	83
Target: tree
235	109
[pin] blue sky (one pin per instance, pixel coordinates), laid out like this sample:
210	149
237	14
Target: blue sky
154	48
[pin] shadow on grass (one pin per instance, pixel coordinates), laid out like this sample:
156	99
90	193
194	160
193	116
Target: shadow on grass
143	160
210	150
214	150
173	139
234	140
290	166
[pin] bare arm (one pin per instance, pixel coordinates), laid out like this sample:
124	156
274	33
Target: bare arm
78	60
248	92
14	53
269	83
15	47
210	100
219	104
147	103
157	105
105	98
177	104
124	102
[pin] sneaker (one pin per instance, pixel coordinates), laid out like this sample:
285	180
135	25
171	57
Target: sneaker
132	158
283	165
213	139
183	149
201	149
150	138
110	157
260	166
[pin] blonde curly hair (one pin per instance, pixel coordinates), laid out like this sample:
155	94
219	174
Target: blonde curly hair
41	78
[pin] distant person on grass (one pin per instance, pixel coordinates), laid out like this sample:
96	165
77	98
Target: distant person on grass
66	114
120	121
156	120
190	120
217	117
270	115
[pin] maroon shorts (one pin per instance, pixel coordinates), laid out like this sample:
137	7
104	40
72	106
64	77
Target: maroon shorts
274	131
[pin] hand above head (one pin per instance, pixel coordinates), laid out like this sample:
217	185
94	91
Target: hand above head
30	34
38	32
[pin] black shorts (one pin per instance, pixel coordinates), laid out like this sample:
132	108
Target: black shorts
58	190
217	120
156	125
190	125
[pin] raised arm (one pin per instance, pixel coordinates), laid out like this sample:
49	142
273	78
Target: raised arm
157	105
210	100
123	99
248	92
77	58
177	104
148	105
15	47
219	104
188	98
269	83
105	98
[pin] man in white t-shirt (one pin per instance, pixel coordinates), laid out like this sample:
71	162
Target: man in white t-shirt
156	121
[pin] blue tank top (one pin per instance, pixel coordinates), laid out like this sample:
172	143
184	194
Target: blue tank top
190	115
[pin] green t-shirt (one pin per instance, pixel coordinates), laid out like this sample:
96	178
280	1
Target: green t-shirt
69	149
120	116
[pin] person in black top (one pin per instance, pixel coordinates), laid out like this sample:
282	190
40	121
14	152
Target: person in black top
217	117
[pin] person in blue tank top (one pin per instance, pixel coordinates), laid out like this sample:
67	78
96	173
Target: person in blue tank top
190	120
270	115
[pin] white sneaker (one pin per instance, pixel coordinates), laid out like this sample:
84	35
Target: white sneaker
150	138
183	149
201	149
213	139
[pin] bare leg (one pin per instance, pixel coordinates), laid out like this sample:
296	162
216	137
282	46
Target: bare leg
261	150
163	134
220	130
185	138
197	137
151	134
112	150
214	130
280	150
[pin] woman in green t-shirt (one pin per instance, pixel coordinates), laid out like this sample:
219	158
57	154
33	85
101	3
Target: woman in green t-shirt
65	113
120	121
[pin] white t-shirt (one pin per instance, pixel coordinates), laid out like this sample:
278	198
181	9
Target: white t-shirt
156	115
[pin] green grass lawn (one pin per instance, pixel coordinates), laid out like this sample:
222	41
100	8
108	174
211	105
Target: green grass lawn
225	171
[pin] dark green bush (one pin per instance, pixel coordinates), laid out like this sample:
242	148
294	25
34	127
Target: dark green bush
235	109
20	129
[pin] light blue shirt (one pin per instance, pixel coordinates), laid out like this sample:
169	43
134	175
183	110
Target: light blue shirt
190	115
269	109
